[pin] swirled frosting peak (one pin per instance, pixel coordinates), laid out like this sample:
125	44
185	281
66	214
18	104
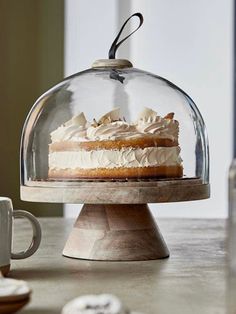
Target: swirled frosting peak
110	126
150	123
72	130
111	130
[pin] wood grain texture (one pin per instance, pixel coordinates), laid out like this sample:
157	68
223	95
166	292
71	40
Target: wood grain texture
112	63
12	307
116	233
4	270
15	298
130	192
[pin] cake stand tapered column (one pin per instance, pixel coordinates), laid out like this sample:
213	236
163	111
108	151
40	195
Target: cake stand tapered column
116	232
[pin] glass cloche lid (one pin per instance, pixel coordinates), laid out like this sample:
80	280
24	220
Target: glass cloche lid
113	122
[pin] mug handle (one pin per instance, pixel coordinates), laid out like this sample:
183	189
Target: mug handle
36	239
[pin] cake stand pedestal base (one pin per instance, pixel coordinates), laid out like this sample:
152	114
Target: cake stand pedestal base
117	232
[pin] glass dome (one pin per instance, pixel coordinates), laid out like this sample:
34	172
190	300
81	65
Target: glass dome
113	122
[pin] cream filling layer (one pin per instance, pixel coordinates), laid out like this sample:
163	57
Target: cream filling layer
128	158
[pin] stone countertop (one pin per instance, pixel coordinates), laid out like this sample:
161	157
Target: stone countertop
192	280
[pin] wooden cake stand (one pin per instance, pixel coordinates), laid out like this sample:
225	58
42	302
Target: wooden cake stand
115	223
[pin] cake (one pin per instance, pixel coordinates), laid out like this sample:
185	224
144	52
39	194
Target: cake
115	149
95	304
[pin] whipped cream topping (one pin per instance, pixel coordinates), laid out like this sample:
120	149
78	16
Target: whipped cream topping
164	128
13	287
125	157
111	131
72	133
95	304
73	130
111	127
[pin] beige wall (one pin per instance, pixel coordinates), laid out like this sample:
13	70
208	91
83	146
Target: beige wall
31	61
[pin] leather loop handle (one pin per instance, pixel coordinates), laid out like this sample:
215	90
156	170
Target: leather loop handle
115	45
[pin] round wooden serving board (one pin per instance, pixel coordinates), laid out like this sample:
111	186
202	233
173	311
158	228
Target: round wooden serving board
115	192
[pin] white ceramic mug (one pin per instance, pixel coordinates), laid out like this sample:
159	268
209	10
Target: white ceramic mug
6	222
